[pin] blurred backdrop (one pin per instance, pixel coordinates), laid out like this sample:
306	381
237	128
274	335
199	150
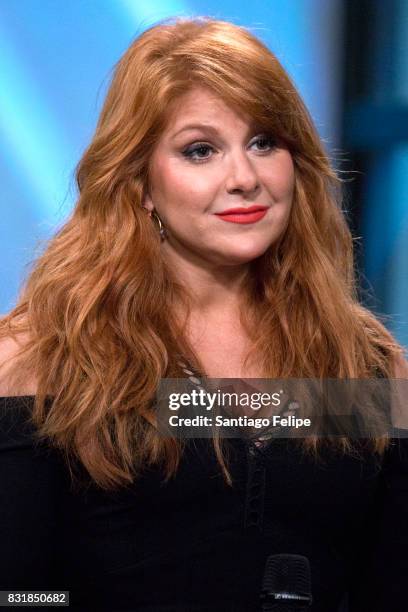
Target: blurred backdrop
349	60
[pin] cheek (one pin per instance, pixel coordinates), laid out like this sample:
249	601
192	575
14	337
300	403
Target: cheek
282	178
177	186
281	183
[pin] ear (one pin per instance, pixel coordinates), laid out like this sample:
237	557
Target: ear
147	201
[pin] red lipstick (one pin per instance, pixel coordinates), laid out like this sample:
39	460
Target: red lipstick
243	214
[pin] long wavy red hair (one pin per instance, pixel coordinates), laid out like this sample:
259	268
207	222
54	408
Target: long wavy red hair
97	308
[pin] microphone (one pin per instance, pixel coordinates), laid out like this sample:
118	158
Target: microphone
286	585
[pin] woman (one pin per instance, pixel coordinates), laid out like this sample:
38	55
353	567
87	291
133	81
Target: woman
153	276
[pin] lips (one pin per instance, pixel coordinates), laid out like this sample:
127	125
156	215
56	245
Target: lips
242	210
243	215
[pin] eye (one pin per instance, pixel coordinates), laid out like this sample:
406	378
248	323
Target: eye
194	152
268	140
198	152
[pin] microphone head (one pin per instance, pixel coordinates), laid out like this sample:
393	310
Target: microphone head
286	585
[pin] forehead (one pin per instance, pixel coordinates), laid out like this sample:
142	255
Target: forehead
202	105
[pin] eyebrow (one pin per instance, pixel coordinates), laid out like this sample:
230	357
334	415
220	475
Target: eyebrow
197	126
204	126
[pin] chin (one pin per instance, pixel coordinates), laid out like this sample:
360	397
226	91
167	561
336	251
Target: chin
252	251
244	257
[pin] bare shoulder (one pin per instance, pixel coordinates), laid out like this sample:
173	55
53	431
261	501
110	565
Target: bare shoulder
14	383
399	392
400	367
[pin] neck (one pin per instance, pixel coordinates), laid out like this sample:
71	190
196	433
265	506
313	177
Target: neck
215	289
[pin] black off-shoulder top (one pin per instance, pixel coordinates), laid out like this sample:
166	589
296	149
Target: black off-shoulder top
196	544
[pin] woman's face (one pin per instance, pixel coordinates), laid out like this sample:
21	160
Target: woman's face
210	159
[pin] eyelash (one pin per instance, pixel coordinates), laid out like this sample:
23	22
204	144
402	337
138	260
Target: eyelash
189	151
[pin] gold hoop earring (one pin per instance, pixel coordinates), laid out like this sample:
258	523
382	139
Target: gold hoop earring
162	230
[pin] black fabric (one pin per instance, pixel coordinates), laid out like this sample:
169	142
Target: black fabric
195	544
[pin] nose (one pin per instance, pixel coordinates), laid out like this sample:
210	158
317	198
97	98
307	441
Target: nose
242	175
